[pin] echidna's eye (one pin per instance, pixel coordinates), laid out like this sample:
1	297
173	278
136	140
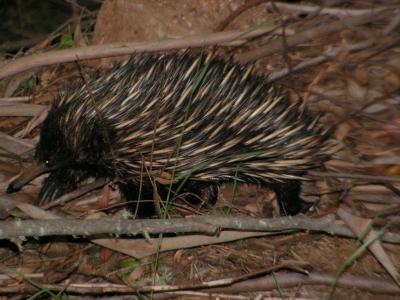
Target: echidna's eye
48	164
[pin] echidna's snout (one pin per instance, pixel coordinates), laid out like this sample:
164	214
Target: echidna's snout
13	187
26	176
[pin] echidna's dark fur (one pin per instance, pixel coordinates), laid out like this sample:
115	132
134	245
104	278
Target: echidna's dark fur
126	124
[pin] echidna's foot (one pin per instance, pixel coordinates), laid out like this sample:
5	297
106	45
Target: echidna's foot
139	197
58	183
287	194
200	192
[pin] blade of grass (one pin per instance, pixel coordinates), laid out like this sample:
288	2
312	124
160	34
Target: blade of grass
356	253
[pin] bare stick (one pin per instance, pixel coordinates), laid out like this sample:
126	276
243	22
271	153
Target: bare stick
199	224
372	284
287	280
342	12
16	99
118	49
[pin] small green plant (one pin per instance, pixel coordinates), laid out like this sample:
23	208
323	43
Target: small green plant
129	264
66	41
28	84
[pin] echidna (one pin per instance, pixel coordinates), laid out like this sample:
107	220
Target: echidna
183	118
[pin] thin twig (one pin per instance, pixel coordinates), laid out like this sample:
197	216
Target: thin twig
356	176
247	5
330	54
394	23
15	99
306	36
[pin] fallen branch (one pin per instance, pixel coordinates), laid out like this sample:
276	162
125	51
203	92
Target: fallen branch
118	49
288	280
372	284
198	224
341	12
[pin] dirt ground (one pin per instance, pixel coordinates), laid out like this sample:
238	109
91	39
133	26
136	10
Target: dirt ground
341	57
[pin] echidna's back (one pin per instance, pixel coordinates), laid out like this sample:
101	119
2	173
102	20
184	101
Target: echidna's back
204	116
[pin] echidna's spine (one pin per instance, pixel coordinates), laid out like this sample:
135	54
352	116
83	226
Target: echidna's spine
223	107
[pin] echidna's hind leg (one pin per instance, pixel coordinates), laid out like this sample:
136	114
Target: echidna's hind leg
287	194
200	192
139	197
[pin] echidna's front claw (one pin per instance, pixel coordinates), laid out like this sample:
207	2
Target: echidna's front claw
58	183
